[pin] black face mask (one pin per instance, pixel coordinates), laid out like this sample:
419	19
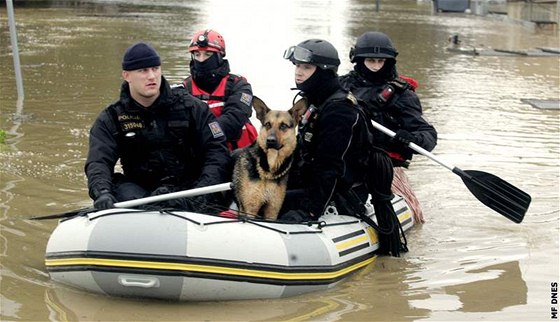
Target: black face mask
209	73
310	83
319	86
386	73
208	65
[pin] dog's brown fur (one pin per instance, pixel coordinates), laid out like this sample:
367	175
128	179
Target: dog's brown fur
260	173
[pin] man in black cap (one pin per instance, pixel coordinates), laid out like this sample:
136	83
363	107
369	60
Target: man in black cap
166	140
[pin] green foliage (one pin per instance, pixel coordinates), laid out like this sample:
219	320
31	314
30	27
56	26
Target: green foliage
2	136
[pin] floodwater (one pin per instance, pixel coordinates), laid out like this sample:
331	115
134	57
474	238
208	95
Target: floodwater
465	263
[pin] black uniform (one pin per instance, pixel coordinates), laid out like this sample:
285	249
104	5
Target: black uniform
176	141
332	152
402	111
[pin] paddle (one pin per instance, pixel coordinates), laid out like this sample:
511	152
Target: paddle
492	191
142	201
179	194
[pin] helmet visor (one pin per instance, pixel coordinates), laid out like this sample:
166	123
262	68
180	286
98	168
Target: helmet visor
299	54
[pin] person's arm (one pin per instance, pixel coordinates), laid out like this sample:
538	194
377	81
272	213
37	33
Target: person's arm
102	155
211	143
237	109
412	120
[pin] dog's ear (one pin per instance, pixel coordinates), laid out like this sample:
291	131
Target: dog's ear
261	108
298	109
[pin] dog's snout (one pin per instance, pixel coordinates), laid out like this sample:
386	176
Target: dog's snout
271	142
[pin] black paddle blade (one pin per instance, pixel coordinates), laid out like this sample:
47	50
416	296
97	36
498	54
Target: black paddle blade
496	193
66	214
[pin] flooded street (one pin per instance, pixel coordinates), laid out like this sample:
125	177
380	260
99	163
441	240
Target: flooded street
466	262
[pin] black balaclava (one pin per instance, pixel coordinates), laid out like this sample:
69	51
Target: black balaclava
386	73
322	84
209	73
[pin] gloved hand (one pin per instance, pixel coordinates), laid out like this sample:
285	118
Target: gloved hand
197	204
296	216
104	201
161	191
403	137
177	203
193	204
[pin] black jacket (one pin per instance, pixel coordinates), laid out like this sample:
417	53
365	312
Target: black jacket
176	140
403	111
332	151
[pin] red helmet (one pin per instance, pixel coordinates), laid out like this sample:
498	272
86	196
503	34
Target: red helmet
208	40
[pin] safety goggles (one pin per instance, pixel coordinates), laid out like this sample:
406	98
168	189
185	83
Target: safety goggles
298	54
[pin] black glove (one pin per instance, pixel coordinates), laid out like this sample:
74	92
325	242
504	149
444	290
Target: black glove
104	201
177	203
296	216
198	204
403	137
161	191
193	204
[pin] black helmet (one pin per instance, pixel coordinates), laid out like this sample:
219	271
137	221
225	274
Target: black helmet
316	52
373	44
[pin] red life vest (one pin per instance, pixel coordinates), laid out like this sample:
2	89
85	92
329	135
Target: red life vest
398	86
413	82
216	101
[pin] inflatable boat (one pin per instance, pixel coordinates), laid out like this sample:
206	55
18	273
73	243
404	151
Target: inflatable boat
176	255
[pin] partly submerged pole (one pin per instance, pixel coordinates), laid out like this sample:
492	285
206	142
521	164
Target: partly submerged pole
15	51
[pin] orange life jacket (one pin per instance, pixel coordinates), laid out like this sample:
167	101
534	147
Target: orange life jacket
216	101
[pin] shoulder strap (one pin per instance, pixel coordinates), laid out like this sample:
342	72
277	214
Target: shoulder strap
187	83
411	81
400	85
232	81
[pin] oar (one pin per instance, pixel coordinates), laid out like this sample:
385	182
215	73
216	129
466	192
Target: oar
143	201
66	214
173	195
492	191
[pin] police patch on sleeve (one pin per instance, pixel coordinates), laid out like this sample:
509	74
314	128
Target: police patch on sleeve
246	99
216	129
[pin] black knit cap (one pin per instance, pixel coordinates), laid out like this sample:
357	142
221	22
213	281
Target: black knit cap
140	55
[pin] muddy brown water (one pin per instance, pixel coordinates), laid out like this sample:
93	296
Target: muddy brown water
465	263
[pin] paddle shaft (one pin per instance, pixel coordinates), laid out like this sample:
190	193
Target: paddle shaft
179	194
416	148
142	201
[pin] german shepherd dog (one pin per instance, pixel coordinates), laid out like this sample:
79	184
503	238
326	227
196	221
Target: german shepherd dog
260	173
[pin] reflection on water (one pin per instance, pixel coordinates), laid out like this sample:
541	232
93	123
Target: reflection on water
471	293
65	304
504	280
465	253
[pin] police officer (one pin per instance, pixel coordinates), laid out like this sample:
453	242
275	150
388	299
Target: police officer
392	102
330	155
229	96
391	97
165	139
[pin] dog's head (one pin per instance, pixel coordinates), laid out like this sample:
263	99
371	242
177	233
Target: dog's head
278	130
